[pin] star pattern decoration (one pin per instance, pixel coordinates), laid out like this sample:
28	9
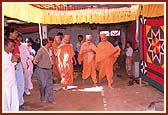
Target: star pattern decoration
156	45
143	67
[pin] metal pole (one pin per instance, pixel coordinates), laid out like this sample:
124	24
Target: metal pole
40	34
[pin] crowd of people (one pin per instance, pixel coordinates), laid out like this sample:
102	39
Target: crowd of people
55	57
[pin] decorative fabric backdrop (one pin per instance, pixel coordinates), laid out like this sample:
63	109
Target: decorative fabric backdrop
152	51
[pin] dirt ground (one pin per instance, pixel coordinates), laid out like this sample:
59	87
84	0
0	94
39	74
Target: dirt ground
121	98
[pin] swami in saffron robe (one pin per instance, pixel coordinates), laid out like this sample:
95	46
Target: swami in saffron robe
65	54
56	43
87	54
106	56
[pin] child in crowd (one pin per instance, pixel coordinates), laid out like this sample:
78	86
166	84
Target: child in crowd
129	52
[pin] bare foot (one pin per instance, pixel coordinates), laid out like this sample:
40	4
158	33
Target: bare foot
110	86
100	80
53	102
94	85
65	88
43	102
83	82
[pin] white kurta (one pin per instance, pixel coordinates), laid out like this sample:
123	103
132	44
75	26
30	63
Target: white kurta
11	101
26	59
129	51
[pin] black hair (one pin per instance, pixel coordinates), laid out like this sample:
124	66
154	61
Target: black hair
51	38
44	41
129	42
7	40
119	43
10	30
80	36
59	34
37	39
29	40
19	34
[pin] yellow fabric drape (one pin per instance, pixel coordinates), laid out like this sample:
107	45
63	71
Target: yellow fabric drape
153	10
26	12
23	12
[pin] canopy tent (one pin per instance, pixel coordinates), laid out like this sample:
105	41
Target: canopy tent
103	15
83	13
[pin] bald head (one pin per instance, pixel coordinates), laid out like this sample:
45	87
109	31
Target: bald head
67	38
102	36
88	38
57	39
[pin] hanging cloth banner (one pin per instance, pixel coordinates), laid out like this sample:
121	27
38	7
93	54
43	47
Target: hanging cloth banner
29	13
152	51
153	10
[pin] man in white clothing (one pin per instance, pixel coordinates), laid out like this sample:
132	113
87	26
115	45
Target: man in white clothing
11	101
12	34
26	60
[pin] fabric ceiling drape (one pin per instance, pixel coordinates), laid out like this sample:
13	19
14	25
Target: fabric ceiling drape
29	13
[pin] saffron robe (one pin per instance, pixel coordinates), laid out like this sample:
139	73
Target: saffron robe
55	60
65	54
87	54
106	56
